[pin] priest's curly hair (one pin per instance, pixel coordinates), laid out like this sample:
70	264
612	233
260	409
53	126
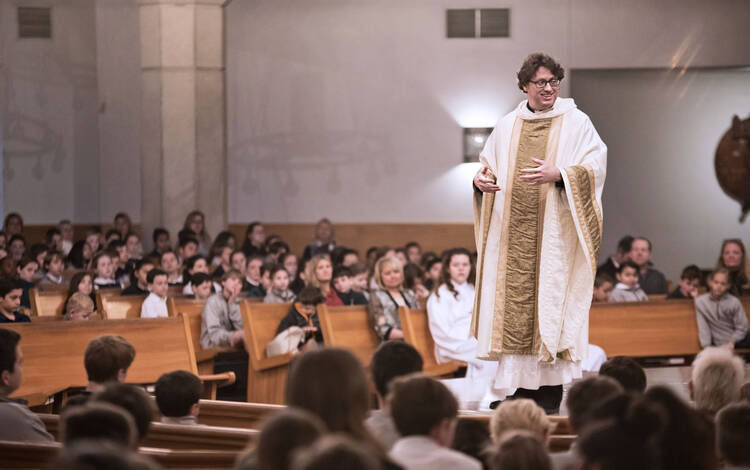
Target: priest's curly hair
532	64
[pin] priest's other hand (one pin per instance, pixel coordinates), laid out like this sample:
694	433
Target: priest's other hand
544	173
485	181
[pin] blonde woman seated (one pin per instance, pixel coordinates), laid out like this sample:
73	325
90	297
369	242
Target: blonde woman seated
388	297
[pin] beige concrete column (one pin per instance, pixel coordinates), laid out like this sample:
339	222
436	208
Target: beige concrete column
183	138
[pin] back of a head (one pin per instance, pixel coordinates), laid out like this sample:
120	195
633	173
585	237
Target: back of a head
331	384
687	442
584	395
284	434
9	340
391	360
717	376
131	398
520	450
472	438
521	414
626	371
336	452
176	393
100	422
105	356
98	455
624	436
733	434
418	404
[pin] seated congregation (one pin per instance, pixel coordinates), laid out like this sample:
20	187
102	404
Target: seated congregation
417	422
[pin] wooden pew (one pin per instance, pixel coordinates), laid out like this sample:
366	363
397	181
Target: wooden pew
53	352
34	455
349	327
114	306
47	303
416	328
179	436
193	310
266	380
236	414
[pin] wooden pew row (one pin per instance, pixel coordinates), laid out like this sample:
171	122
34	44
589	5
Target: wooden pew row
33	455
54	351
416	327
178	436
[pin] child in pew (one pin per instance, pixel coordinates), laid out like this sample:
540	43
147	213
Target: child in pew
338	452
690	281
82	282
187	248
54	265
100	422
139	278
18	422
254	287
359	279
10	300
132	399
393	359
177	395
155	305
627	288
134	246
105	271
107	360
120	258
425	414
38	252
520	449
162	243
341	282
26	270
603	285
79	307
170	264
720	315
195	265
304	314
265	275
221	318
279	293
202	286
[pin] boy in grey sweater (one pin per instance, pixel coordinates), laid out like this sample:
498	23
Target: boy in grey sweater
720	316
627	289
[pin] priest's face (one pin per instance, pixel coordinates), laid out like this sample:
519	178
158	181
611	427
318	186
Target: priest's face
542	98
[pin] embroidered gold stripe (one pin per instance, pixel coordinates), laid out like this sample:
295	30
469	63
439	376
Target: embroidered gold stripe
582	185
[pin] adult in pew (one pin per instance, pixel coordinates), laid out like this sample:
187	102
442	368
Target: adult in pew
304	314
393	359
279	293
690	281
622	253
10	301
255	240
517	447
18	422
341	284
715	379
733	257
449	310
139	278
627	288
196	222
221	327
82	282
388	297
107	360
322	240
26	270
425	413
54	265
688	440
319	273
582	397
720	315
281	436
603	285
155	305
650	279
535	276
132	399
79	307
627	372
322	377
102	422
104	270
178	395
733	434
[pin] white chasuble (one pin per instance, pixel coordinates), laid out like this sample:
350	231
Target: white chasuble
537	246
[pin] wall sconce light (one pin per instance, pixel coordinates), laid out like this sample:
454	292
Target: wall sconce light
474	140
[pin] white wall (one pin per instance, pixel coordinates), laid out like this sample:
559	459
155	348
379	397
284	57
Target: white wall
354	109
662	129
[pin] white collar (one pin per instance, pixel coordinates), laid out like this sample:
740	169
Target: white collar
561	106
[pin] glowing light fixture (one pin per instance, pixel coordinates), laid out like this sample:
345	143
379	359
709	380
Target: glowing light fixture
474	140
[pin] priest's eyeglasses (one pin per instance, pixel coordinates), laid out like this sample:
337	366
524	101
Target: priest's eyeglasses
541	84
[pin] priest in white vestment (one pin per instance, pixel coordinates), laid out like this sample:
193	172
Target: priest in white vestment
538	228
